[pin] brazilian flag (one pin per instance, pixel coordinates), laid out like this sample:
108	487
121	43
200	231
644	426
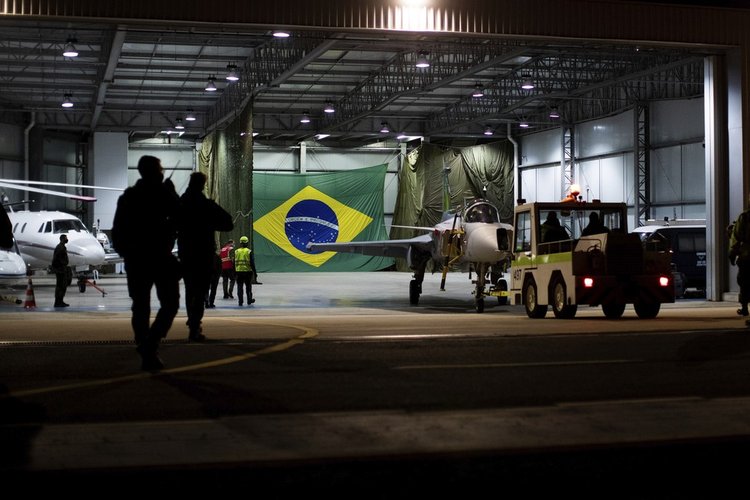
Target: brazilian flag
290	210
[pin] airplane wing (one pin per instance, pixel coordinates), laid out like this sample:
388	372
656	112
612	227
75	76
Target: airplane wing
382	248
112	258
44	183
11	185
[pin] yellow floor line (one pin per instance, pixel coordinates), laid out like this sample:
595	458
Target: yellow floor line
308	333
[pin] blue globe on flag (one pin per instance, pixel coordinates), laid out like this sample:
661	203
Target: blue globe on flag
310	220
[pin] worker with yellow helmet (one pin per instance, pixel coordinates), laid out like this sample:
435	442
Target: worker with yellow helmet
244	267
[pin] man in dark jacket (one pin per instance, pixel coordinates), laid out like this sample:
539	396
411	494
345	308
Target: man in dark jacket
143	233
6	230
200	218
63	273
739	254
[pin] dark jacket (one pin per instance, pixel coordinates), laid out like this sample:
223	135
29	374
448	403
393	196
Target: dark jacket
200	218
6	230
59	259
145	222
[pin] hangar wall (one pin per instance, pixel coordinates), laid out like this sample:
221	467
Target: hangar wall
604	156
11	152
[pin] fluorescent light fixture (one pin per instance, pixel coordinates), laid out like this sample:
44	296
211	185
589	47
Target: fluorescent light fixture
189	117
232	74
329	107
211	85
527	83
67	103
322	136
384	128
70	48
524	124
478	91
488	130
281	34
402	136
178	124
554	114
305	117
422	61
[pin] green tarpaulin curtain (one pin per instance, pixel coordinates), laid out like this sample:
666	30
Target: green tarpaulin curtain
435	179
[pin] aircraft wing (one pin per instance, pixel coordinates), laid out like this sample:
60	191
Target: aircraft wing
63	184
13	185
112	258
382	248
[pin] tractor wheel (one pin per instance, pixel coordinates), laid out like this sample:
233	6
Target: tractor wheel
531	296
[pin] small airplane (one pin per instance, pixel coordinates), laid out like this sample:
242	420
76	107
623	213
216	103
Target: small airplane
472	239
37	233
12	266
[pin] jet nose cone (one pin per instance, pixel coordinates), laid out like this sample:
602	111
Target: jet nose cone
482	243
86	253
11	265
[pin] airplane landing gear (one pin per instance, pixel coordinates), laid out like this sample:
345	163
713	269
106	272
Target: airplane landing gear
479	290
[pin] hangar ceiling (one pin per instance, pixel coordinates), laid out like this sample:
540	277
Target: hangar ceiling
146	79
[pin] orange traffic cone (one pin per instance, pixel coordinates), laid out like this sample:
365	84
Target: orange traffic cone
30	300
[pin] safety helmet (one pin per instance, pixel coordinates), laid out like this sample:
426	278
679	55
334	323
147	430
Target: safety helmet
244	239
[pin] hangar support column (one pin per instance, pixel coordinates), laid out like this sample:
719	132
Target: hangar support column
723	150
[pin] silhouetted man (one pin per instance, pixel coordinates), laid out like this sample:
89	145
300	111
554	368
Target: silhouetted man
63	274
6	230
200	218
143	233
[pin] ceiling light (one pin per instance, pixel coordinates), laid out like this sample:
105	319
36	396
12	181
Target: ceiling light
232	74
329	107
554	114
384	129
70	48
527	83
402	136
488	130
211	85
322	136
478	91
305	117
422	61
281	34
67	103
523	124
189	117
178	124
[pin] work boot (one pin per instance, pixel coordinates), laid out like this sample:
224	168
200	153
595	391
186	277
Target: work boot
196	335
61	304
151	362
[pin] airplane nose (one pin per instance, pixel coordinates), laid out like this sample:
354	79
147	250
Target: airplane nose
84	252
482	244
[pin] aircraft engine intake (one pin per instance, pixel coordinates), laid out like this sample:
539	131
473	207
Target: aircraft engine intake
482	243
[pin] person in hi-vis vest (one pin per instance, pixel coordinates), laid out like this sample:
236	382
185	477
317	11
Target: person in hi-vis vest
244	267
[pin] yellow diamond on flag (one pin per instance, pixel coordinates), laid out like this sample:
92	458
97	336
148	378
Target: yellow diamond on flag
311	215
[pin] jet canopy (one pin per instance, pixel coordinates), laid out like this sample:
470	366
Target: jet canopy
481	211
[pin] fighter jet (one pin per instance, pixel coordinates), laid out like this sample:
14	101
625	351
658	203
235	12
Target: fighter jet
472	239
